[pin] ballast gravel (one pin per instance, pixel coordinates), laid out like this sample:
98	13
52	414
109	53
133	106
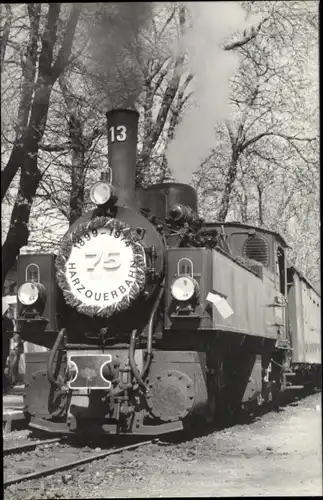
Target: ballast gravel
278	454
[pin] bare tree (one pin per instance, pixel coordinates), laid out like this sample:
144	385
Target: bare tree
87	89
32	117
68	150
164	96
5	31
264	168
78	148
267	101
148	74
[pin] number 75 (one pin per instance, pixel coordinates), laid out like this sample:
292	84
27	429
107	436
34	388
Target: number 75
112	260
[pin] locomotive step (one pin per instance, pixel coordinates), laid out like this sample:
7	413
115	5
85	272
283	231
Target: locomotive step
293	387
16	390
12	414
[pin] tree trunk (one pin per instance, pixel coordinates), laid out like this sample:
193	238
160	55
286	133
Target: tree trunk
228	186
165	171
260	206
243	198
244	208
79	144
30	177
18	233
154	132
78	169
173	123
5	34
27	89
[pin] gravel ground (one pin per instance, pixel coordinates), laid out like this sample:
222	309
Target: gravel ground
279	454
16	438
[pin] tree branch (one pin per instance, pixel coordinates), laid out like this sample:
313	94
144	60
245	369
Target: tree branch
247	37
288	138
167	22
51	148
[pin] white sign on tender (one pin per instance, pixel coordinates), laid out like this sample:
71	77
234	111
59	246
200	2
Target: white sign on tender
221	304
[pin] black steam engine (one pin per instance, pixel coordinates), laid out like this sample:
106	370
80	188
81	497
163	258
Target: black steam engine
155	320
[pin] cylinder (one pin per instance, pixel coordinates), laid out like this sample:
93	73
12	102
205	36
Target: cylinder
122	151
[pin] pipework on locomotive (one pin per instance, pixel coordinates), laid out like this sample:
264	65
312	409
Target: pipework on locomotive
155	320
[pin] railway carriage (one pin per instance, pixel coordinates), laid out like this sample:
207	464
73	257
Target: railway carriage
155	320
304	309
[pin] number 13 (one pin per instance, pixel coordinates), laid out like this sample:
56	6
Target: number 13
121	134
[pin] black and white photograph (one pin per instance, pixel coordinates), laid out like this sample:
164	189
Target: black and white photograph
161	274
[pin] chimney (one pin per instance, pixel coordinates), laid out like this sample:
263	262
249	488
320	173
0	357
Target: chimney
122	152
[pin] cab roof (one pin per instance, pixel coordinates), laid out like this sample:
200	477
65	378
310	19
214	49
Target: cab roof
278	236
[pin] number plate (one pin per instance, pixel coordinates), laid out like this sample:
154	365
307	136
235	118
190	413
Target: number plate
87	371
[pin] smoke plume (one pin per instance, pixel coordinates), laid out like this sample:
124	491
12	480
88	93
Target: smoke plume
117	50
212	67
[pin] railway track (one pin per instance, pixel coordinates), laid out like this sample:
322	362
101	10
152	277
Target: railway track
29	446
25	450
65	465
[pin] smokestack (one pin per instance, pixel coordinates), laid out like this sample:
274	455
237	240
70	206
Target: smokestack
122	152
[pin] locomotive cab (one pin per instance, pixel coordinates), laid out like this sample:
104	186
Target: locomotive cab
259	248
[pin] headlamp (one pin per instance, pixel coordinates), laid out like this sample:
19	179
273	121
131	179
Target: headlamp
28	293
183	288
100	192
33	295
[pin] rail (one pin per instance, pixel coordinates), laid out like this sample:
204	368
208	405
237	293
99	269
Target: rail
29	446
69	465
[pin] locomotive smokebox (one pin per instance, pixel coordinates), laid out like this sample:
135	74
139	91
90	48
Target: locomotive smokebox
122	152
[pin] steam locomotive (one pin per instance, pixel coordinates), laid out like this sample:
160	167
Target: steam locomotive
154	320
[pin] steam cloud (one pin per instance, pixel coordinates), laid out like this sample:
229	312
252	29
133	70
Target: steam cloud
212	67
116	50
